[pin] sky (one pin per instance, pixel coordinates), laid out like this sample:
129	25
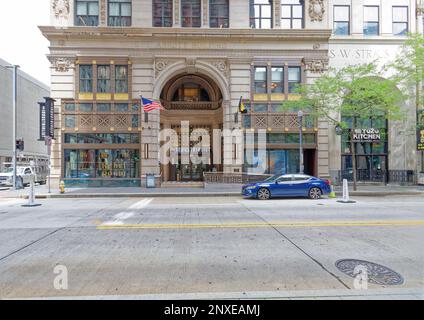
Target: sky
21	42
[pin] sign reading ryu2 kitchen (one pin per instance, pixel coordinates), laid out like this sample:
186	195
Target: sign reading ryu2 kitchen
366	135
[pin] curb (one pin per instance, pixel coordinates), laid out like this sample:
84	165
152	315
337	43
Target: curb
204	194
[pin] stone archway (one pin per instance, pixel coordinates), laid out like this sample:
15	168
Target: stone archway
194	102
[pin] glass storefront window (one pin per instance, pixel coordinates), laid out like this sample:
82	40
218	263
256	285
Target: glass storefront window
121	107
86	107
70	107
260	107
101	164
102	138
104	107
70	121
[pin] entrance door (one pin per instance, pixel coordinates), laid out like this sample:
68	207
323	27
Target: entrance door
191	172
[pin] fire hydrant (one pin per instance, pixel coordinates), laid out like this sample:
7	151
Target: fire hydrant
62	187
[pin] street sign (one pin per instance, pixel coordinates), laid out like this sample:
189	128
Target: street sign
46	118
420	130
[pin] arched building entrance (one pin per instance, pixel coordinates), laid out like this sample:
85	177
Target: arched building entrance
193	109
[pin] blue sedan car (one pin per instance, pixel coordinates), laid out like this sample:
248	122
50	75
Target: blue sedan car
288	185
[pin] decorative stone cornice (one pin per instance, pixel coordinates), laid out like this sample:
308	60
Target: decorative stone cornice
132	34
316	65
62	64
316	10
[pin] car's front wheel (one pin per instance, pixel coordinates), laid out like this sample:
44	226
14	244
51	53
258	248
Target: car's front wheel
264	194
315	193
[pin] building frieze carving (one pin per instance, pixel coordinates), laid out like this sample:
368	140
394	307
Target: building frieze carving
61	9
316	65
62	64
316	10
221	66
162	64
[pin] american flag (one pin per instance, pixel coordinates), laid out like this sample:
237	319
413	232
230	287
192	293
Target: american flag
150	105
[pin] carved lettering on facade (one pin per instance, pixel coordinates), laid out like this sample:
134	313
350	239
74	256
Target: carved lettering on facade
316	10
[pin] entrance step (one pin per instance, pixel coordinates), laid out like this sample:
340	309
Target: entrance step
181	184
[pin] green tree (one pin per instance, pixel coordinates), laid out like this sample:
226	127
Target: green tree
358	92
409	67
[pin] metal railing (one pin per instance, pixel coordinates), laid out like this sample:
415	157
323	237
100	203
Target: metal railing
403	177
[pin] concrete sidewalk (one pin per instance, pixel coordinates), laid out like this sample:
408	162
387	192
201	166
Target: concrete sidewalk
210	190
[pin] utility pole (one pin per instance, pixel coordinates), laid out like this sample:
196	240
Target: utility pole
301	164
15	116
419	27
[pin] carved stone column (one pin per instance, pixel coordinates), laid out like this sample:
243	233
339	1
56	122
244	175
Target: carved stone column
103	13
177	13
205	13
277	13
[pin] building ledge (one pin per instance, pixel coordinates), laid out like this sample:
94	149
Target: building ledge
131	33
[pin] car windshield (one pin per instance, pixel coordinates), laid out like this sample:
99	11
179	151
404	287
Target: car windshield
7	170
273	178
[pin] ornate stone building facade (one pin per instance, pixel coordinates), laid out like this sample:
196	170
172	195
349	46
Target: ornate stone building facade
198	58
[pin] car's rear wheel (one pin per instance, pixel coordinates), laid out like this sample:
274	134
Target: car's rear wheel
315	193
264	194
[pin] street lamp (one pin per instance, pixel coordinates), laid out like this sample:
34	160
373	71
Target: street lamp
301	165
15	115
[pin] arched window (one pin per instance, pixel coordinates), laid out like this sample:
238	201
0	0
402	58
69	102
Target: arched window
191	92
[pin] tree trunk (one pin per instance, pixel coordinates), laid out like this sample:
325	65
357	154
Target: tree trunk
353	151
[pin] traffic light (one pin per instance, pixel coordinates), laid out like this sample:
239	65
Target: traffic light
20	145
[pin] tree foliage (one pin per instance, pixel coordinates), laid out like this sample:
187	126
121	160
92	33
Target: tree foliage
358	91
409	65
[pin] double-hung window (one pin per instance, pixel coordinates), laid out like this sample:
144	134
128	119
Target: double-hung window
341	20
87	13
261	14
400	20
121	79
292	14
191	13
277	78
294	78
219	13
260	78
103	79
162	13
86	78
119	13
371	20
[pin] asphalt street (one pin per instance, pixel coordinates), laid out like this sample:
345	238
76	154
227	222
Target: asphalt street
225	247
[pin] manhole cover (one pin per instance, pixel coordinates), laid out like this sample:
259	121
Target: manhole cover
377	274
